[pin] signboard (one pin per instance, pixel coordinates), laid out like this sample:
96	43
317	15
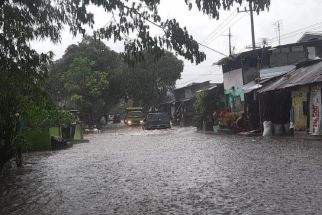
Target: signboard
316	112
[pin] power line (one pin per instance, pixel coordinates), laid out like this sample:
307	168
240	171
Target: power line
290	36
304	28
231	23
218	52
294	35
297	32
226	23
229	35
224	29
218	27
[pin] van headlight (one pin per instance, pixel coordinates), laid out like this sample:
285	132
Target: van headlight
129	122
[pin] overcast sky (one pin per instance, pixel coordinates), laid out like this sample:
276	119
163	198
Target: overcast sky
295	17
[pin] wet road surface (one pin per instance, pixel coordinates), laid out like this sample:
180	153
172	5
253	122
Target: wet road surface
175	171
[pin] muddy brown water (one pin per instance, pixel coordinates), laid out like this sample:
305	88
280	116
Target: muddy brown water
175	171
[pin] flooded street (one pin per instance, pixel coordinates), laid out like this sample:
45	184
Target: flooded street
175	171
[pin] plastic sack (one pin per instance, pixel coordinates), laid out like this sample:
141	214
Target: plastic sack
278	129
287	127
268	128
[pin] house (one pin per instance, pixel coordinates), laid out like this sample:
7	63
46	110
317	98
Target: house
239	70
252	102
167	104
275	103
296	98
185	97
244	78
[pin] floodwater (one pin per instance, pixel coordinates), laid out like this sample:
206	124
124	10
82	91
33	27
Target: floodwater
175	171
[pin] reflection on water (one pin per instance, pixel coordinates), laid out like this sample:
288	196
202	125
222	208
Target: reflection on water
174	171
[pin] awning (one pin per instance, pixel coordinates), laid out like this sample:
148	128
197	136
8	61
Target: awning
265	76
307	73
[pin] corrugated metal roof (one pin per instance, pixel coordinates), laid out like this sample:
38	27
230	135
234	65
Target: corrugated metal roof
275	71
309	36
192	84
208	88
307	73
265	76
251	86
245	54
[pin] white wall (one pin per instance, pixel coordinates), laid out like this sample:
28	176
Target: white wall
233	78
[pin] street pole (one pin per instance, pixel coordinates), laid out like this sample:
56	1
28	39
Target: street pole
279	33
229	36
252	23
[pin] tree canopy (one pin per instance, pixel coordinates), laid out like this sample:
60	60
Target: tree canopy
81	78
149	81
21	22
92	78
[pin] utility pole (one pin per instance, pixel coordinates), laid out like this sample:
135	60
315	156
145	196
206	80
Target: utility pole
252	23
279	33
278	26
251	20
229	35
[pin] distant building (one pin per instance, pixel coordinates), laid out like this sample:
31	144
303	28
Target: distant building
310	36
180	104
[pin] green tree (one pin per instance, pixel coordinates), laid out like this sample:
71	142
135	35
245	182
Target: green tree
24	21
147	82
204	106
93	78
201	104
103	59
87	88
81	78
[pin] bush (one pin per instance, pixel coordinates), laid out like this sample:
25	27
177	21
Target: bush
200	105
45	115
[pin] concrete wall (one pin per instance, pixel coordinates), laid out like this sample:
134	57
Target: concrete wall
233	78
288	56
235	99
